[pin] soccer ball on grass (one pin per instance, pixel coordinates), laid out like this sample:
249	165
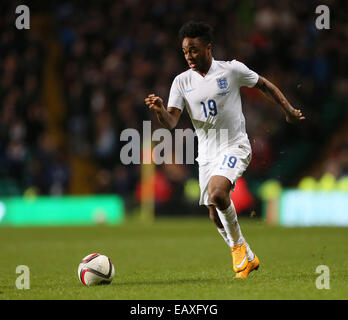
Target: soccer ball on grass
96	269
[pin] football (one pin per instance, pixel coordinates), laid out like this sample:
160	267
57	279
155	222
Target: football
96	269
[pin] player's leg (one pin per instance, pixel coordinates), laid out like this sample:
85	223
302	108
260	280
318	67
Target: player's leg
219	193
219	190
205	172
214	217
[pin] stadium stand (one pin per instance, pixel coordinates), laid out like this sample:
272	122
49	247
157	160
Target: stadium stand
111	54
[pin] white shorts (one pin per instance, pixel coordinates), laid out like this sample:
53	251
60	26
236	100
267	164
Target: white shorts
230	163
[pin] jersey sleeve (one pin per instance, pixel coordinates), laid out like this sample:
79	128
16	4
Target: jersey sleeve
245	76
176	98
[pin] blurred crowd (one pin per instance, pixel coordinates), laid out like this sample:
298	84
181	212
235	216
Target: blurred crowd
25	160
117	52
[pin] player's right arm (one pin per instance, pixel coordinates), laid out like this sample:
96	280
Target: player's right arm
168	118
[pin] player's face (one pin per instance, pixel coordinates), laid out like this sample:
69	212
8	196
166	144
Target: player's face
197	54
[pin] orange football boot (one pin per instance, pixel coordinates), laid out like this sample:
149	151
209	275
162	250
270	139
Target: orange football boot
239	257
252	265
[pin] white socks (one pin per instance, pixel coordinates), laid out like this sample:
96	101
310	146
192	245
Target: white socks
228	218
223	233
231	232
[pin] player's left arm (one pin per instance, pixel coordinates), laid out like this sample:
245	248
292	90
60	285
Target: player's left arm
271	91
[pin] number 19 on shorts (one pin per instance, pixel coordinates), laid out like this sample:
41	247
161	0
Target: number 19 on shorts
229	161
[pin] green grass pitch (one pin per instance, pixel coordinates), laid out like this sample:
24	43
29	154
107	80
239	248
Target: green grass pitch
174	258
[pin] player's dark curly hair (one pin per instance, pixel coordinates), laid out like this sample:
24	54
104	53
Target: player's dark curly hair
196	29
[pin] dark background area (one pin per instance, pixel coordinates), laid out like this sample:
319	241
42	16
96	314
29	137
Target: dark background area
72	83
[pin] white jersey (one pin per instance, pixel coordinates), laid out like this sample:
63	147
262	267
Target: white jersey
214	102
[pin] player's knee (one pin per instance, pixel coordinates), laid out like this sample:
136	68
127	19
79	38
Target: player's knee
217	197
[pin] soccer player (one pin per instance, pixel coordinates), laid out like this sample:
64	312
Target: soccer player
210	91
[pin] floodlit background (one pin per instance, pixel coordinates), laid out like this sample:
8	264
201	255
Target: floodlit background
78	77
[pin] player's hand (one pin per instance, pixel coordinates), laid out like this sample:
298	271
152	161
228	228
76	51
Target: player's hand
294	116
154	103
